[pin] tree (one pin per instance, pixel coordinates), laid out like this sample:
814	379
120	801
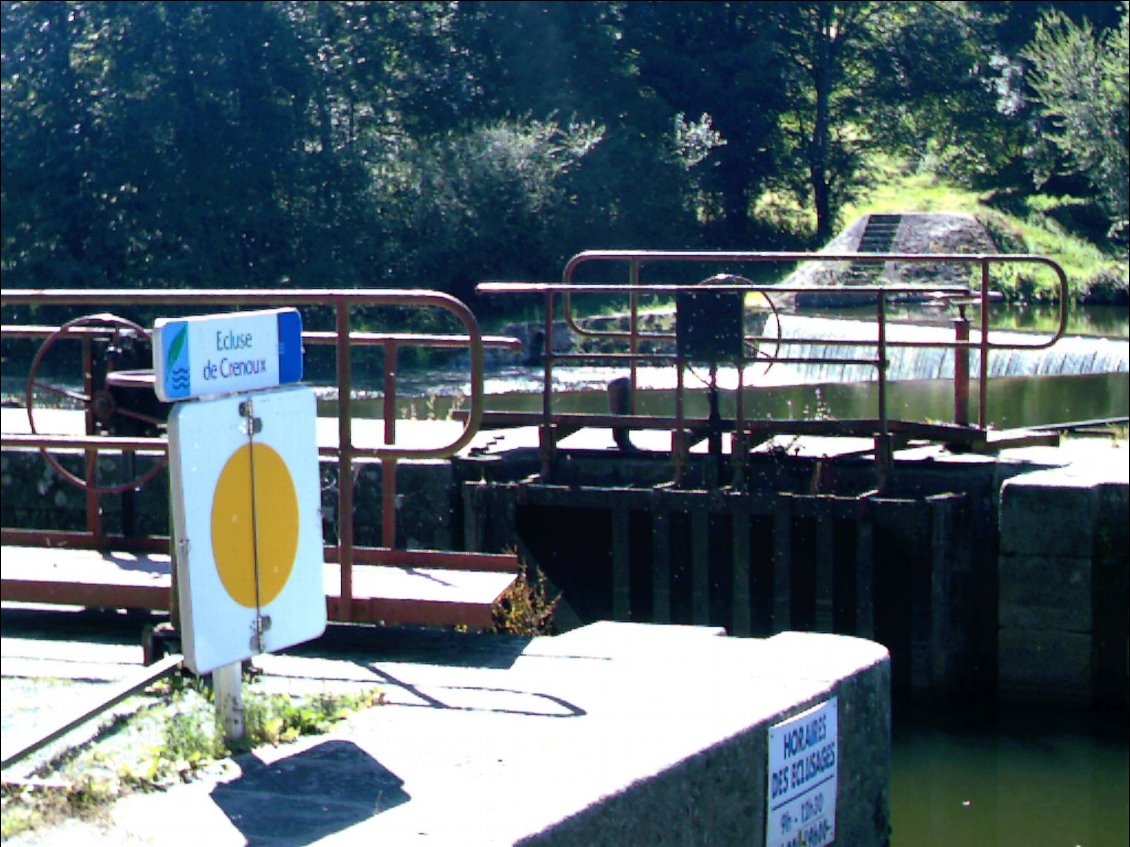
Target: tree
831	51
49	125
1080	81
719	60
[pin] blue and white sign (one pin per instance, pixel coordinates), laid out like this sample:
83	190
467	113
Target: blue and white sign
225	354
803	770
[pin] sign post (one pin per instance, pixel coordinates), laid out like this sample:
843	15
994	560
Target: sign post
246	492
802	775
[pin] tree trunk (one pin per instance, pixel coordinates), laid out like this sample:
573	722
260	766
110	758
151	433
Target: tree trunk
818	149
735	202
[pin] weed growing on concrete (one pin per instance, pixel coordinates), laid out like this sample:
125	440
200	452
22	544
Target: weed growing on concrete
526	608
279	718
174	738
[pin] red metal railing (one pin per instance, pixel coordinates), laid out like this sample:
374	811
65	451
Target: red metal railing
343	338
882	295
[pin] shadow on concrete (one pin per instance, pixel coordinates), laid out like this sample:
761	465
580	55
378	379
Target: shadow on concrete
476	698
100	626
305	797
416	645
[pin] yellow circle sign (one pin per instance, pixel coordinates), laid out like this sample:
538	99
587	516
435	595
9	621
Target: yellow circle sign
254	513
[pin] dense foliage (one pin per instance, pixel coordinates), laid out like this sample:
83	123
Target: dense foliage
442	143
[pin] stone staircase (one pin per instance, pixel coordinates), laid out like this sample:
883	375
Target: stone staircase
878	237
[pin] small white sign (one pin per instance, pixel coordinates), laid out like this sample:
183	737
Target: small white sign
228	353
247	513
801	785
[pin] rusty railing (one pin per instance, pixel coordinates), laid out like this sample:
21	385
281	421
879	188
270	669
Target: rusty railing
343	338
980	295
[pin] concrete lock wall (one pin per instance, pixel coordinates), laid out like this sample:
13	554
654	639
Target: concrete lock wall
718	794
1015	588
914	569
1063	589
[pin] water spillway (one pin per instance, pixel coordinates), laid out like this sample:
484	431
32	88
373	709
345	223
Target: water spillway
818	338
1070	356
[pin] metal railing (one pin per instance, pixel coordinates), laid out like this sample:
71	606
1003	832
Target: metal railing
979	295
343	338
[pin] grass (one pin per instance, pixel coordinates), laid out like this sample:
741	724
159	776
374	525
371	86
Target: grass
170	737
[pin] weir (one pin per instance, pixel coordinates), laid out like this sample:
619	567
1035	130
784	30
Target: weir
1069	356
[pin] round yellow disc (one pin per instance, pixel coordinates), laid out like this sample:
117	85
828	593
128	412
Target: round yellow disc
235	518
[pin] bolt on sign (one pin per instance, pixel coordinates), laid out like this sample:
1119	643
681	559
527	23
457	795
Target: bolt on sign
802	777
247	515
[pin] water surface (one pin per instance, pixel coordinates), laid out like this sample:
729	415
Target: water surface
978	776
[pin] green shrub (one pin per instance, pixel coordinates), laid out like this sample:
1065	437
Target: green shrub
1008	237
526	608
1108	286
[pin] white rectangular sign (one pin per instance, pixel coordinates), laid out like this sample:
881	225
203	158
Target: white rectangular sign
247	511
227	353
801	784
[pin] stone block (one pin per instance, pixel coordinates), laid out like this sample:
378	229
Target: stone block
1044	666
1046	592
1049	515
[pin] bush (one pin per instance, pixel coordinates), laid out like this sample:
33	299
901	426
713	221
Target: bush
1109	286
486	203
526	608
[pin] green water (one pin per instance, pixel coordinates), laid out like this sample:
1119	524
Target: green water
1012	402
975	776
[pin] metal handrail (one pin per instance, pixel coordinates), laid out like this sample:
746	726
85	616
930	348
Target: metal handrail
984	296
981	295
343	338
637	257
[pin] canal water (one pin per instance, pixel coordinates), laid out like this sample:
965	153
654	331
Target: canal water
975	775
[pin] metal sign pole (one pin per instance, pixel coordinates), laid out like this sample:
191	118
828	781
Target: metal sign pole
227	685
243	461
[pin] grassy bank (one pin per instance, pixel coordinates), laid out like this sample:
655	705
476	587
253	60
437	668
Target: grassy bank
1055	227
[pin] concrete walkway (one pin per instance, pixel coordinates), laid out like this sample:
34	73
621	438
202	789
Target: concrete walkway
610	734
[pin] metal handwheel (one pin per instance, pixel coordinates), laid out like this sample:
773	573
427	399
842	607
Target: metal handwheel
104	414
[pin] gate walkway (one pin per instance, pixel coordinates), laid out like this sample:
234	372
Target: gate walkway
433	588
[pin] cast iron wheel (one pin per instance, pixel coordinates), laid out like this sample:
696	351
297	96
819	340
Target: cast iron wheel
101	407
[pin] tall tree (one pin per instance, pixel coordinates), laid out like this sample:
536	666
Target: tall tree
49	129
720	60
1080	81
830	49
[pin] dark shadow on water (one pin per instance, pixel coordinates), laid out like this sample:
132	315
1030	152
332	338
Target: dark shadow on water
305	797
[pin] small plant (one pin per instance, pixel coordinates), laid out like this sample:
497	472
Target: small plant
526	608
191	740
172	739
279	718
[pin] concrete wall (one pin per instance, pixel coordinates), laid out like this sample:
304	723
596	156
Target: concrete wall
1063	589
718	795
